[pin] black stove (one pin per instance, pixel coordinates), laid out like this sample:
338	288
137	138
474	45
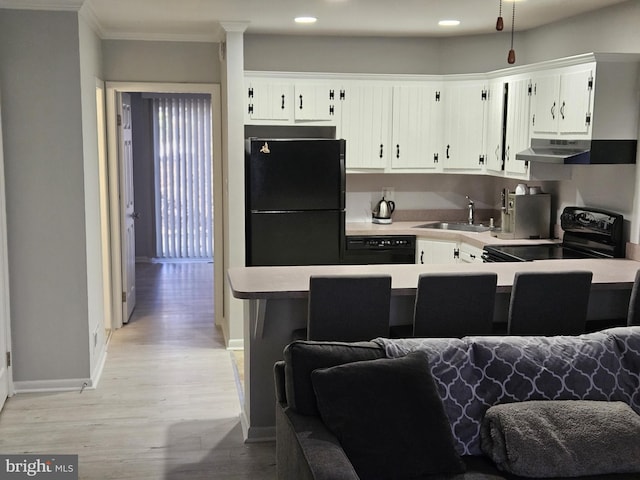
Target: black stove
588	233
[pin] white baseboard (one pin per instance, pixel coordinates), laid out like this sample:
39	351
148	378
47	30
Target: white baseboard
59	385
235	344
99	368
256	434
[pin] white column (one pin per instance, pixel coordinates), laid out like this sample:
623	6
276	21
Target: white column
232	57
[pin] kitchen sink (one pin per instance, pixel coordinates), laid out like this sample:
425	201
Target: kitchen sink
463	227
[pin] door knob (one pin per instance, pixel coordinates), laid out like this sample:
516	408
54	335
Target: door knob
135	215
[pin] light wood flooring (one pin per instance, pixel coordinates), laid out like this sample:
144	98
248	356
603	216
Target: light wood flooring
167	405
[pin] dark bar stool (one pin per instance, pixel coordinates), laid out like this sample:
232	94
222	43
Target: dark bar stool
348	308
549	303
454	304
633	317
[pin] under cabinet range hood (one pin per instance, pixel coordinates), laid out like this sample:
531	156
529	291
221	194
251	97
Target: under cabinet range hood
580	152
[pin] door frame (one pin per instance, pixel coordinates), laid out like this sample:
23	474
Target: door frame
5	311
112	91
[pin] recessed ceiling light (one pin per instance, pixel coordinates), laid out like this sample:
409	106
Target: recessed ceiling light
306	19
449	23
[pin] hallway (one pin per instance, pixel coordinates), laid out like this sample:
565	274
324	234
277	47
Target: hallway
167	405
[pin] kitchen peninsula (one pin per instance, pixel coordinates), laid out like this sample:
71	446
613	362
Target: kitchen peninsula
277	299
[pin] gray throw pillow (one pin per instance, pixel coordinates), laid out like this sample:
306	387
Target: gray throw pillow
388	417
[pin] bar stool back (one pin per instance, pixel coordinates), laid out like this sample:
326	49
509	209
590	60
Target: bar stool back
348	308
549	303
454	304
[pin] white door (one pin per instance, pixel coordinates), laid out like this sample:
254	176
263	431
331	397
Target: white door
127	215
5	371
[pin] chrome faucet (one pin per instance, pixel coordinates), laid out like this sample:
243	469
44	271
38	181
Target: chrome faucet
471	210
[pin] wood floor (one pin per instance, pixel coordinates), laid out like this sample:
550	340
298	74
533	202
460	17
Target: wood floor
167	405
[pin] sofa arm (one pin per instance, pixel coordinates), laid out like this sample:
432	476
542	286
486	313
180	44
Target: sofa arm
306	450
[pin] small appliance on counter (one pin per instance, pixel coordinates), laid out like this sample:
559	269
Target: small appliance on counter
525	216
382	212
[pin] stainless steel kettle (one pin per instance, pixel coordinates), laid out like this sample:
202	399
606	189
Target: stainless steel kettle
382	212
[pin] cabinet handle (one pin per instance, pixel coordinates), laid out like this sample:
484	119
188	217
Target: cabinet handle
508	153
448	150
497	154
398	151
381	150
282	107
421	256
553	110
562	110
300	102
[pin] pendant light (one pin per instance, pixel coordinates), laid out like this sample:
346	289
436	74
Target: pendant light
500	21
511	58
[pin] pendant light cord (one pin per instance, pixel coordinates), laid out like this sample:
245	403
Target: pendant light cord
513	22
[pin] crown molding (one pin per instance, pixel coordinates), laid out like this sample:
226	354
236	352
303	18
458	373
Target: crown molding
56	5
159	37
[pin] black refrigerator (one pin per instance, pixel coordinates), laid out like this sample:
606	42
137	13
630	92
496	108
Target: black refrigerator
295	201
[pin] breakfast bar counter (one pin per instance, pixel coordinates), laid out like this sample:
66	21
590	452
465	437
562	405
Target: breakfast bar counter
277	305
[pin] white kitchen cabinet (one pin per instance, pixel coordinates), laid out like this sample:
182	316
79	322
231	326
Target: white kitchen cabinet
268	100
435	251
417	127
469	254
464	121
365	124
562	101
495	128
517	136
315	102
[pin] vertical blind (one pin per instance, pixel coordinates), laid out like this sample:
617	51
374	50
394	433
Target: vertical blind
183	176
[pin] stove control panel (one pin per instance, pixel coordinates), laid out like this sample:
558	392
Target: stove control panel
592	221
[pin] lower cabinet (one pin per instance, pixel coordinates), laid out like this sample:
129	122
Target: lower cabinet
469	254
435	251
443	251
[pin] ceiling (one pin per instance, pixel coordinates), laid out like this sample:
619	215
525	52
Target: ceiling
198	20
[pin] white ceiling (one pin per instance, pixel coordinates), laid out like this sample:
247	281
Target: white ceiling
199	19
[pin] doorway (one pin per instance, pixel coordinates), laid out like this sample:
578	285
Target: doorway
118	215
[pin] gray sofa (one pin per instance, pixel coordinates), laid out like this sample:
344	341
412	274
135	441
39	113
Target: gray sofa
471	375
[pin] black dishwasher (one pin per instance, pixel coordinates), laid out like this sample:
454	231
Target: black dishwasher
377	249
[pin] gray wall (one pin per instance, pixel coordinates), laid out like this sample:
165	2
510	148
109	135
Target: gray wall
42	129
139	61
98	266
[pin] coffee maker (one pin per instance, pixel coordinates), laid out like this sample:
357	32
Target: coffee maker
525	216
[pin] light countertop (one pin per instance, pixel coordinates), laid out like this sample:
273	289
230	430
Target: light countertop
293	282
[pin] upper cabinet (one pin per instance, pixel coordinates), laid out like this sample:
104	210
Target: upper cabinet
516	132
283	101
268	101
315	102
365	123
462	123
562	101
495	126
465	111
417	127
